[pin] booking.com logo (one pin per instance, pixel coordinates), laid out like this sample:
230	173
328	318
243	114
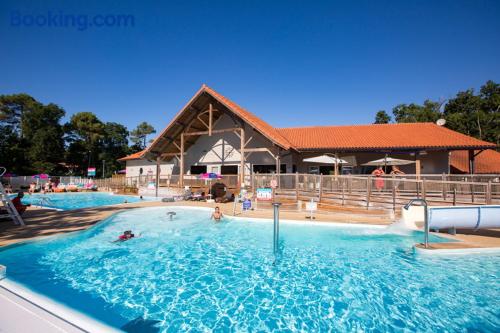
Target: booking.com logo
61	20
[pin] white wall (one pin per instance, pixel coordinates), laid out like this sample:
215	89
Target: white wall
224	149
148	167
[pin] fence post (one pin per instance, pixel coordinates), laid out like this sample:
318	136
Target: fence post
320	186
488	193
472	190
455	196
423	189
368	191
443	186
343	185
393	198
297	186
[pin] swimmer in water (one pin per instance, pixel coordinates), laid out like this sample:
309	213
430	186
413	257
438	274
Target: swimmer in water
217	215
125	236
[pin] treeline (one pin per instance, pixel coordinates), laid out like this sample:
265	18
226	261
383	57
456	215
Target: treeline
477	115
34	139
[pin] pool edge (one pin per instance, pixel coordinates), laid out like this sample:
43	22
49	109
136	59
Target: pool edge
52	308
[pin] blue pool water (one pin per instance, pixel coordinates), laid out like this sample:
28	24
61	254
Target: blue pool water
194	274
66	201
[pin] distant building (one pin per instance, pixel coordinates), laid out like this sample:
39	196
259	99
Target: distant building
210	133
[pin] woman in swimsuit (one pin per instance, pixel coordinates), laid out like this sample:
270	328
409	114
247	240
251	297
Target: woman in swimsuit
217	214
379	181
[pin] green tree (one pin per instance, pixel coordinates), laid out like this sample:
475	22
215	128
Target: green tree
114	146
31	138
414	113
84	133
139	135
382	117
42	129
476	115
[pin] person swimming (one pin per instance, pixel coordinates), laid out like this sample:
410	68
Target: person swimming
125	236
217	215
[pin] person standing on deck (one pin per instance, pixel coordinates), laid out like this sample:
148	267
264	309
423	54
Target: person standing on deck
379	181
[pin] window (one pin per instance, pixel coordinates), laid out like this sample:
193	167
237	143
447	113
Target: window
268	168
198	169
229	170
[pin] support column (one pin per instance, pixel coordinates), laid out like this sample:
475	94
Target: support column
471	162
157	183
242	159
417	165
210	112
181	171
336	165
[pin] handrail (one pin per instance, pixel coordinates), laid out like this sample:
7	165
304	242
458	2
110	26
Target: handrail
426	219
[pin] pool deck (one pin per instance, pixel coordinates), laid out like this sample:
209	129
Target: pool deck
46	222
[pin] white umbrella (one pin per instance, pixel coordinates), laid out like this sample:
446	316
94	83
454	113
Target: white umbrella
325	159
389	161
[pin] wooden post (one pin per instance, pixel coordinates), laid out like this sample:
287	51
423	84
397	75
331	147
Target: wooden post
368	190
423	189
210	112
455	196
320	186
297	185
443	186
343	195
242	160
181	172
471	162
417	165
157	185
488	193
393	198
336	166
278	169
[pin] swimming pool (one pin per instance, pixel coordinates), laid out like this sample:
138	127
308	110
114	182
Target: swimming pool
193	274
67	201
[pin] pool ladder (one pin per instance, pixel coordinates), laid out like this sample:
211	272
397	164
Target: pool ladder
422	202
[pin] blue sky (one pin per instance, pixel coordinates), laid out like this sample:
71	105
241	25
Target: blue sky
293	63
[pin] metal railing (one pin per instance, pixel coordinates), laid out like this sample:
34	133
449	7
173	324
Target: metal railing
426	218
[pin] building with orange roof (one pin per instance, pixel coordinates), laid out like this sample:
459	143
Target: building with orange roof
211	133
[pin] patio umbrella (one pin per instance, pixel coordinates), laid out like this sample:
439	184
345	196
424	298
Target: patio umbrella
325	159
389	161
40	176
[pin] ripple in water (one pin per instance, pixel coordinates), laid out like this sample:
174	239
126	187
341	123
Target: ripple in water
193	274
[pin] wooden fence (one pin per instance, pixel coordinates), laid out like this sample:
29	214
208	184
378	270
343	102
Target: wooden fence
389	192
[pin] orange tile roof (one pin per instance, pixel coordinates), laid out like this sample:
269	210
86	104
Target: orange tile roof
380	136
134	156
257	123
487	161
